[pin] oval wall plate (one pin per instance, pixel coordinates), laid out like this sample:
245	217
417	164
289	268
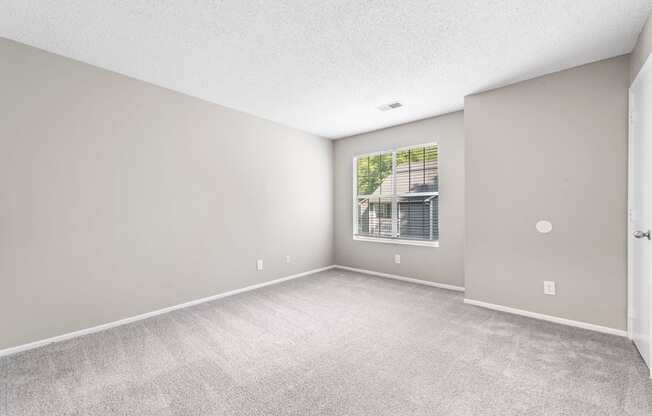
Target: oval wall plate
544	227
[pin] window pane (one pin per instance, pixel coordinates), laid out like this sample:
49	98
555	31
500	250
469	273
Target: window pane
374	217
362	174
363	185
375	174
418	218
416	170
363	166
385	187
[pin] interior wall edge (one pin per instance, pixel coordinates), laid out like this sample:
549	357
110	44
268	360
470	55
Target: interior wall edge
642	49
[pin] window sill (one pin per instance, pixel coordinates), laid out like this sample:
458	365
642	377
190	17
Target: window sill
397	241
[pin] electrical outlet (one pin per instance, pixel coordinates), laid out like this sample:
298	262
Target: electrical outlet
259	265
549	288
287	259
397	258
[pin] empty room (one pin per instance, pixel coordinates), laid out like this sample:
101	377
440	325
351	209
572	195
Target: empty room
334	208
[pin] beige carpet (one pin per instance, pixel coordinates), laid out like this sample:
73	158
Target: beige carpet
335	343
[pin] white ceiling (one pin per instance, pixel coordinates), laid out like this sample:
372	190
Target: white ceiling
323	66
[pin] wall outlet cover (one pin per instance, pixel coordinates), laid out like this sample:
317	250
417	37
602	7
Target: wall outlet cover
549	287
259	265
397	258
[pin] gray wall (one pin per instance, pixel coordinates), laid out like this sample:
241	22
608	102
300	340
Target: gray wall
642	49
118	197
552	148
443	264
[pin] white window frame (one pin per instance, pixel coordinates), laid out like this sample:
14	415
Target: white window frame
394	196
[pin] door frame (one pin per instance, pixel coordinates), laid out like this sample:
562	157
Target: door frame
647	70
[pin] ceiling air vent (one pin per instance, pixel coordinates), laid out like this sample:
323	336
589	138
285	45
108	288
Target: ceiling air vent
390	106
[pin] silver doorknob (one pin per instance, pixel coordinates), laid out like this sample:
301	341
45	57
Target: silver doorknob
641	234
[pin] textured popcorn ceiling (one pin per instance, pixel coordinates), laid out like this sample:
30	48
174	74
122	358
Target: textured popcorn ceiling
324	66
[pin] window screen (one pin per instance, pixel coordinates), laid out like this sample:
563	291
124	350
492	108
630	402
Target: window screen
397	194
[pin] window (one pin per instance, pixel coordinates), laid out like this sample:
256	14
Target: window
396	196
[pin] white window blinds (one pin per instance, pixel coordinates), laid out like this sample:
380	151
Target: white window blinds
396	194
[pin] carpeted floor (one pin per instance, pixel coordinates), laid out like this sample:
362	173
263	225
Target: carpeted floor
335	343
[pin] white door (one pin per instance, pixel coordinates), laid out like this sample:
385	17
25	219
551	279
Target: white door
640	212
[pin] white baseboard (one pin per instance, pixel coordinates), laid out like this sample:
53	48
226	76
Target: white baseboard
98	328
403	278
549	318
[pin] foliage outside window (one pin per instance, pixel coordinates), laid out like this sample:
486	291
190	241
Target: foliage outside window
396	195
